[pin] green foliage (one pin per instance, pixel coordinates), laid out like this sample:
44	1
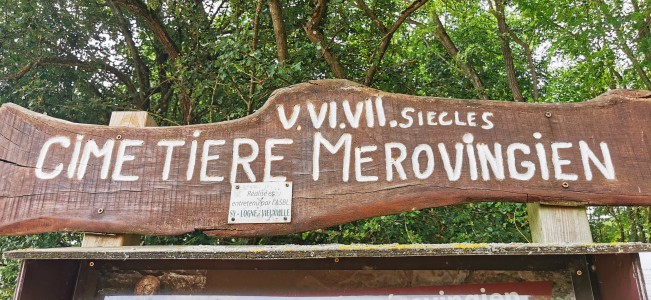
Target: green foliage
73	60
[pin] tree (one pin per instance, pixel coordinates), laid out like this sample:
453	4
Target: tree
190	62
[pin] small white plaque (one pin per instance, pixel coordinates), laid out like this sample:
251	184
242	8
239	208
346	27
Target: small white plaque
260	202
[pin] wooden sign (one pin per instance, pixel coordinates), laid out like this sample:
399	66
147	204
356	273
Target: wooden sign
350	152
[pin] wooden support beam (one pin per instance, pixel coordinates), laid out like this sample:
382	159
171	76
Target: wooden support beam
135	119
558	224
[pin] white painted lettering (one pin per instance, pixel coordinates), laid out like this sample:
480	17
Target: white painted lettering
359	160
396	162
317	120
381	118
453	173
494	159
287	124
457	120
332	115
542	157
429	169
368	108
206	157
40	174
170	144
91	148
193	156
345	140
405	114
122	157
487	123
72	167
472	162
269	157
442	121
245	161
471	119
353	118
431	118
510	158
606	168
559	163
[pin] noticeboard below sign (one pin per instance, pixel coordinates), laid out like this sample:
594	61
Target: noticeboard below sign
264	202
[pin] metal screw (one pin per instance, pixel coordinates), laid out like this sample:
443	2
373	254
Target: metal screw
100	210
285	218
237	187
232	219
565	185
579	272
548	114
119	137
287	184
91	264
336	259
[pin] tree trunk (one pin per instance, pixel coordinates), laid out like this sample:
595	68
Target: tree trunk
388	34
466	68
530	63
506	51
315	35
636	64
279	30
153	22
142	73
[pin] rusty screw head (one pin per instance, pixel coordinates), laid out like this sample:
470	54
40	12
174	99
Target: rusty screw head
91	264
579	272
548	114
565	185
232	219
119	137
336	259
100	210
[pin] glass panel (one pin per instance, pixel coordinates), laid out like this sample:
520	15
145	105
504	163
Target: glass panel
339	284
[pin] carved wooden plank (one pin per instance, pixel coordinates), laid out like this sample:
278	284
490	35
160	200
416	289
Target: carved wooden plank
392	153
135	119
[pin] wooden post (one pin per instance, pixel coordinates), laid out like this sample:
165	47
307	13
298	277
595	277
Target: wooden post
558	224
125	119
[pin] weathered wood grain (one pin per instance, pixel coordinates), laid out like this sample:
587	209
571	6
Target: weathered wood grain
266	252
558	224
140	195
135	119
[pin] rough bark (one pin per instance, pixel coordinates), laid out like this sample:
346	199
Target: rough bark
507	53
315	35
164	83
142	73
530	63
154	23
279	30
466	68
254	46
